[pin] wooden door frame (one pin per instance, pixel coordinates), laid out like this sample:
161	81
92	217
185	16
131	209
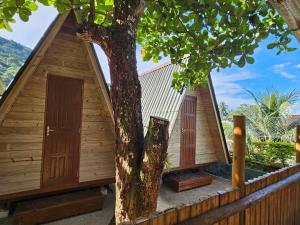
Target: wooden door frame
77	155
181	127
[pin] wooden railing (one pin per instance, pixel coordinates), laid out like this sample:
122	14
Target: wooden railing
268	200
272	199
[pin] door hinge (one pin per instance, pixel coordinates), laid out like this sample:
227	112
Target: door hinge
79	130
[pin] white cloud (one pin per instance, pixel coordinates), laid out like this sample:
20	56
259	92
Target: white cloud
228	90
287	75
281	70
297	66
281	66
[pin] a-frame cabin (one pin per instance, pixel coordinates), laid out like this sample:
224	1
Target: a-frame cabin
56	122
196	133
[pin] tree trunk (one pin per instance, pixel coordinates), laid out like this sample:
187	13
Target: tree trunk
126	101
139	165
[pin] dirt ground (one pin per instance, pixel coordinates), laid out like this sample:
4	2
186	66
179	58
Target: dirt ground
167	199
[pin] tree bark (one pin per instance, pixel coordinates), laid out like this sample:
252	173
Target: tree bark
126	101
139	163
155	147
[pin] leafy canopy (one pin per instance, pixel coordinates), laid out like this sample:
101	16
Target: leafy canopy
207	34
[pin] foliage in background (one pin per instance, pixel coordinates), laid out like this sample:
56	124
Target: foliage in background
12	57
269	118
269	131
273	153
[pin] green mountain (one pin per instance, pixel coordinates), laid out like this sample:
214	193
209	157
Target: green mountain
12	57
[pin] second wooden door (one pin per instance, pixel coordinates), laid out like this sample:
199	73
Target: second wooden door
188	131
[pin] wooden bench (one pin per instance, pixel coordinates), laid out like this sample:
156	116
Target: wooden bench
186	181
47	209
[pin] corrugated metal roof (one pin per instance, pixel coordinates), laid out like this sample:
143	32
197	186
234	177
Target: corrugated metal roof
290	12
158	97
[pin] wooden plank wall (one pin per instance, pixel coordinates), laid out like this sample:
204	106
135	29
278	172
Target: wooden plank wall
21	132
280	208
208	142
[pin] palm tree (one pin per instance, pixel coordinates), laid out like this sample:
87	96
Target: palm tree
268	117
266	120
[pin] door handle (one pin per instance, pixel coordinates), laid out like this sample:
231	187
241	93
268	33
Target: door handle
48	130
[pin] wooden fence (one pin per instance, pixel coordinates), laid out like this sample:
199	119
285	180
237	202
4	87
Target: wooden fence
272	199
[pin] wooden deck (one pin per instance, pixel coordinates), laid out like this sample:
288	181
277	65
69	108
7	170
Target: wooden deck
167	199
267	200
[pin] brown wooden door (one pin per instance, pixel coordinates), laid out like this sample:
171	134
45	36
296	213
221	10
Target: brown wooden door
62	131
188	131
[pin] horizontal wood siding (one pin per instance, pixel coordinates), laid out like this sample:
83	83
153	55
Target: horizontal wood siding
21	131
208	141
21	138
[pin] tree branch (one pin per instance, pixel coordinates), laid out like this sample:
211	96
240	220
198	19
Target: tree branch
94	33
128	13
92	11
187	30
139	9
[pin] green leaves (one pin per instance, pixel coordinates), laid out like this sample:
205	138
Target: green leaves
5	25
215	34
24	13
9	11
241	62
46	2
24	8
10	8
271	45
250	59
32	6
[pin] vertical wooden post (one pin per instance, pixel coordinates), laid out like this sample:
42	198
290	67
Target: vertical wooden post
239	149
298	144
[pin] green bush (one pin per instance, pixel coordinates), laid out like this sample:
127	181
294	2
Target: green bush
272	153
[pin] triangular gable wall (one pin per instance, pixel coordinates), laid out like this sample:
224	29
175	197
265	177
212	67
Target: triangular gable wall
209	143
22	111
160	99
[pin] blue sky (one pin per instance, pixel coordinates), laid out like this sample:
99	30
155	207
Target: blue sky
269	70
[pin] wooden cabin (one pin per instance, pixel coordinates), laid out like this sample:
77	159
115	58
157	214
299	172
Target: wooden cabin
196	133
56	119
56	130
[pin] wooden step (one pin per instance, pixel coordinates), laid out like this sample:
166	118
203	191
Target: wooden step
47	209
186	181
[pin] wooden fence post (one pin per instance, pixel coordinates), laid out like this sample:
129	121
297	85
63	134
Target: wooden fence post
298	144
239	149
